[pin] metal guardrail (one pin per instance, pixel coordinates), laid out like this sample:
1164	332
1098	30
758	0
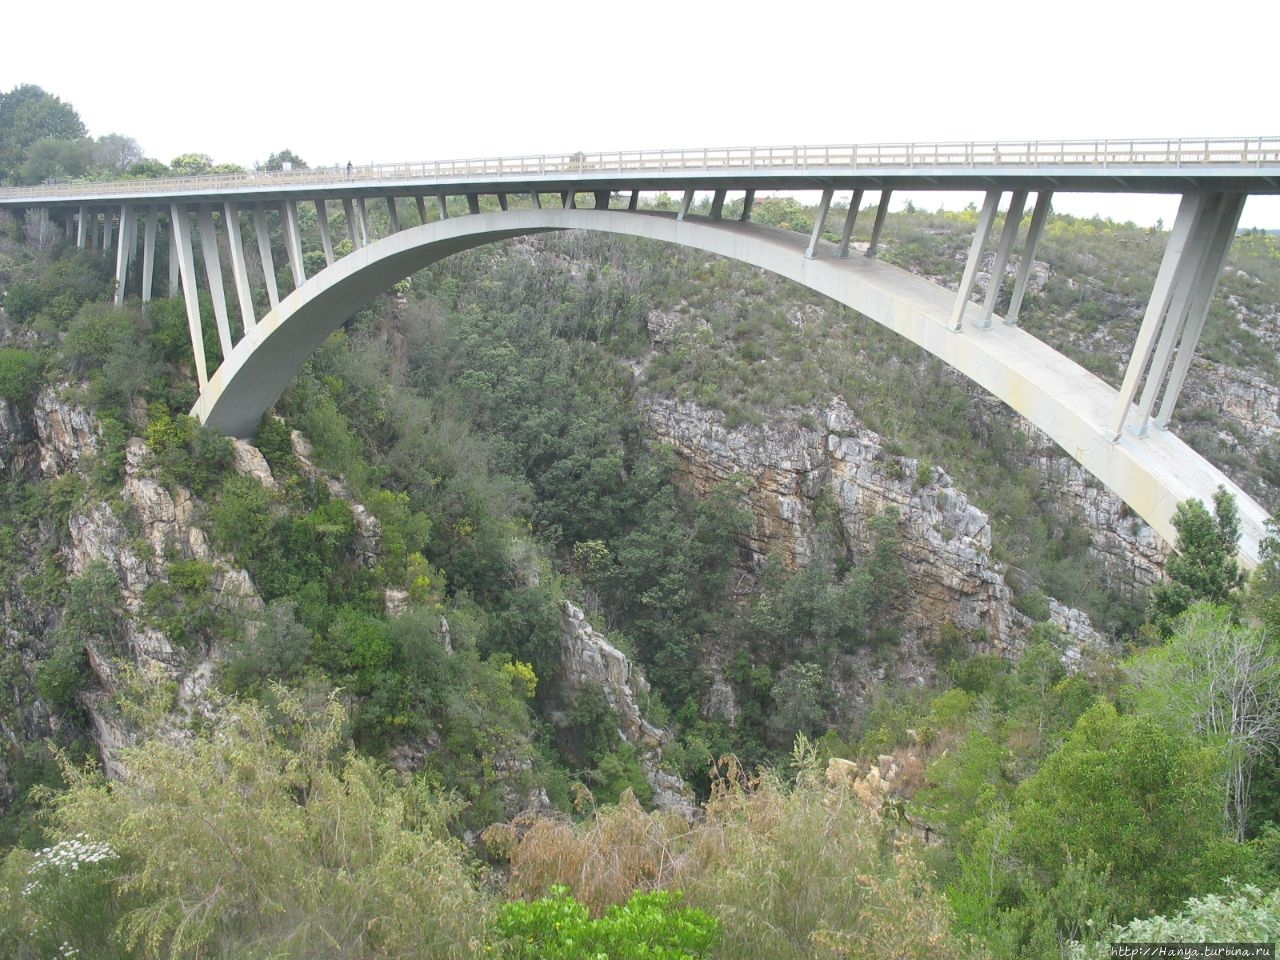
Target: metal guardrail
1101	154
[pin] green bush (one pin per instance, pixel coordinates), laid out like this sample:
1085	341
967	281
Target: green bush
1245	914
649	926
20	375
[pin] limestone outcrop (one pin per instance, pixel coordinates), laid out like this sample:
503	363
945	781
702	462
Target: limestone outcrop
946	540
588	658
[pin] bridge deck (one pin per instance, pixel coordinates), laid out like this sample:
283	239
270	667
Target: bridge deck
1246	165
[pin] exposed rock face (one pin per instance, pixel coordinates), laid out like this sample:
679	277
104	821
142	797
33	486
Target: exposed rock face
15	436
946	540
588	658
1132	553
250	462
67	433
166	528
667	327
137	543
1240	396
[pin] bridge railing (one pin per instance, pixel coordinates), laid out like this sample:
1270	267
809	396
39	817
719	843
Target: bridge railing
1239	152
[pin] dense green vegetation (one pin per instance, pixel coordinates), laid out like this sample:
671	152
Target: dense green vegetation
399	692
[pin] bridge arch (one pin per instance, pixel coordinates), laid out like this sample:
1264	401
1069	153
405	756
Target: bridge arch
1072	406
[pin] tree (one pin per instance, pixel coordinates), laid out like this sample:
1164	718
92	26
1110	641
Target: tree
259	837
29	115
1264	588
20	374
116	153
277	161
51	159
800	697
1204	566
1223	681
1137	800
191	164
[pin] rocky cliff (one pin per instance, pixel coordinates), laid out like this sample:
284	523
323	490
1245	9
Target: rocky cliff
139	533
587	657
794	461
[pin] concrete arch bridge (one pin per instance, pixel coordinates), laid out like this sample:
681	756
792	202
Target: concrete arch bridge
1120	436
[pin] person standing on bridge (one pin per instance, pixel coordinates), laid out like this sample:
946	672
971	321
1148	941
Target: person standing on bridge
349	169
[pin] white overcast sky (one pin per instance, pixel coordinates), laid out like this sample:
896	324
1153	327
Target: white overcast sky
374	81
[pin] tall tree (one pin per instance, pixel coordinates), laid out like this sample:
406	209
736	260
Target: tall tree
116	152
1204	566
1138	799
28	115
1222	680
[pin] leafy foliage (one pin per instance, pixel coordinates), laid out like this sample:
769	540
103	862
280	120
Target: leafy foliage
20	375
30	116
790	869
1243	914
649	925
297	848
1204	566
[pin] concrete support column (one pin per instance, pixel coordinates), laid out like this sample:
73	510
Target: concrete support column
362	216
855	204
536	198
239	269
1198	311
717	204
819	221
602	199
293	242
174	279
326	238
685	204
634	202
181	227
124	250
473	203
106	230
444	206
1012	220
353	232
393	215
422	208
502	202
1038	217
1190	215
264	251
748	200
213	271
82	229
149	253
69	225
985	219
1189	306
881	212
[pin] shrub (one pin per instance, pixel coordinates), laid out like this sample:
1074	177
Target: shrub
651	926
20	375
